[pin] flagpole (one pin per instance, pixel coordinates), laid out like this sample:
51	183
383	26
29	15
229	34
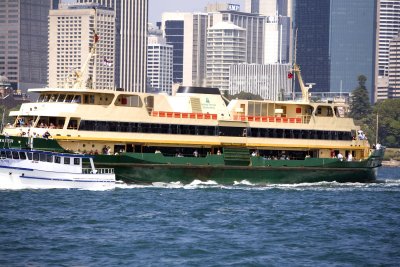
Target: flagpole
377	127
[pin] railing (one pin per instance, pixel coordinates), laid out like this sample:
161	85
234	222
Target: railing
267	119
207	116
184	115
98	171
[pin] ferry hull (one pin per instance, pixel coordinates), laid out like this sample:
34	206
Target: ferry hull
136	173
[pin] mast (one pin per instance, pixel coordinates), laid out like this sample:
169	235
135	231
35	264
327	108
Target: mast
377	127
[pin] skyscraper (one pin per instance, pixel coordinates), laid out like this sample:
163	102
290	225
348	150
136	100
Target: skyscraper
394	68
388	28
72	31
131	18
159	63
226	45
336	43
194	50
173	26
23	42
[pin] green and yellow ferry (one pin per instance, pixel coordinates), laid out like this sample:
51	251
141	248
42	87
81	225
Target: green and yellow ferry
198	134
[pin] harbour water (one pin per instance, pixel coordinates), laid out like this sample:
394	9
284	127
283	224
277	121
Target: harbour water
204	224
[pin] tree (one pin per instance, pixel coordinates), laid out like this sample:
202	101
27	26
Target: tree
360	106
246	96
388	111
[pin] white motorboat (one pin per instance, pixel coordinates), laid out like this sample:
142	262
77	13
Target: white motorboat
43	169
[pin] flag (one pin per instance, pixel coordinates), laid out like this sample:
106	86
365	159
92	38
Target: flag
96	38
290	75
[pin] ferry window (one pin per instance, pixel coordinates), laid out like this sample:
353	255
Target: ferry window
40	99
8	154
36	156
77	99
69	98
45	98
77	161
67	160
3	154
42	157
49	158
57	159
29	155
15	155
52	98
22	155
61	98
91	99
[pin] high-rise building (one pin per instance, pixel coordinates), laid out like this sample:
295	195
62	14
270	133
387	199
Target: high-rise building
226	45
268	81
262	7
255	31
159	63
195	46
131	18
23	42
72	30
278	41
394	68
336	43
388	28
173	27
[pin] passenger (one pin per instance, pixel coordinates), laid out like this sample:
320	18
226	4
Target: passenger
195	153
46	135
378	146
350	157
157	151
104	151
340	156
108	150
253	154
219	152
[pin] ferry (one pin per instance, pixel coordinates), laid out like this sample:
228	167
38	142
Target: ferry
26	168
198	134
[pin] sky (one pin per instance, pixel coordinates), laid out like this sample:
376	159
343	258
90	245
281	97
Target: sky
157	7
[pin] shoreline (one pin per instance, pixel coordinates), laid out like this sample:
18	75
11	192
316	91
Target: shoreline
391	163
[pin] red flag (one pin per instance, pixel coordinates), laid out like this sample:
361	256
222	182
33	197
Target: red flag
290	75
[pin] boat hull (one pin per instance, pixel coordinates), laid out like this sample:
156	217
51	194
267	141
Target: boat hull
145	168
29	178
136	173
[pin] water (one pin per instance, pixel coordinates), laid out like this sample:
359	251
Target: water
324	224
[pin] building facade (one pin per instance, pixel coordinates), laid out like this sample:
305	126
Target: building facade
173	27
388	28
268	81
255	31
394	68
23	42
131	17
194	50
226	45
72	31
159	64
336	43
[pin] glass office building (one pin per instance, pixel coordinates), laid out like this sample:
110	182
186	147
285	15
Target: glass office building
336	43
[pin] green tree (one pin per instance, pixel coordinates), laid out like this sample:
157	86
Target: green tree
360	105
246	96
388	112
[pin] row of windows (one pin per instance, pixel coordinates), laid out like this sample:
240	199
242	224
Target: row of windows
212	130
36	156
